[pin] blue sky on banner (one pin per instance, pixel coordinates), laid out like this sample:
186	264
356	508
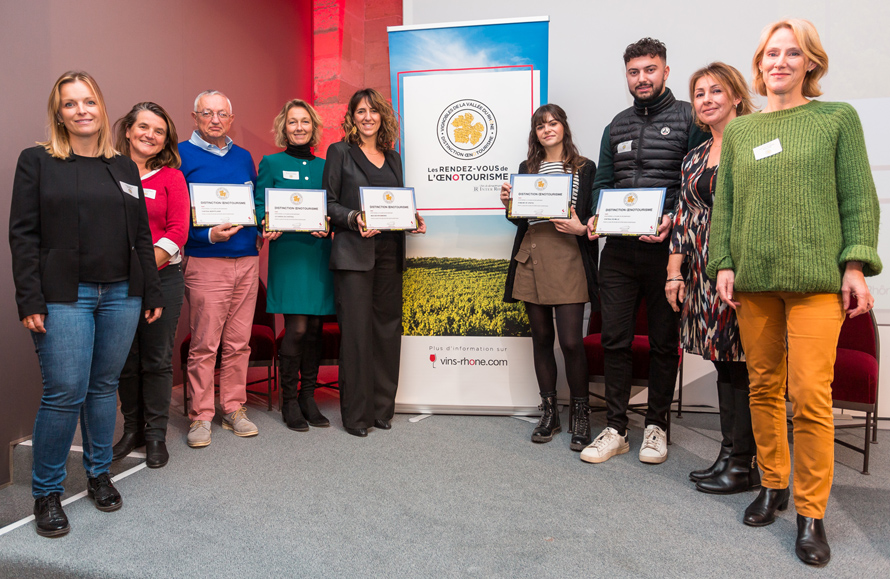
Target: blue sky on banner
486	45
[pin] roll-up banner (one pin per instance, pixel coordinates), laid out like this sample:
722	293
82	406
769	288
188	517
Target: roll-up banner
464	93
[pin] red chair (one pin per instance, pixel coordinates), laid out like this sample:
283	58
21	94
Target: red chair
263	351
593	347
855	385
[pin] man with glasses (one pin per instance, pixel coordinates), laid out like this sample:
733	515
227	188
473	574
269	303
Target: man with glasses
221	276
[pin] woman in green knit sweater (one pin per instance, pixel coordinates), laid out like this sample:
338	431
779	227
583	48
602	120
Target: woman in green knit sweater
793	233
300	284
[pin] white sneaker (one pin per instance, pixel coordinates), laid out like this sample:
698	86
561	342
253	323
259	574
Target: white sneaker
654	449
605	446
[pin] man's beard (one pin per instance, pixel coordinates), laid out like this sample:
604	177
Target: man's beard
656	91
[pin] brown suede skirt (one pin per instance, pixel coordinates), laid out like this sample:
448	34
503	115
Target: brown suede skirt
549	271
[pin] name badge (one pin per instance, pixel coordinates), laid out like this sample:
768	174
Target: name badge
131	190
625	147
294	175
150	193
767	150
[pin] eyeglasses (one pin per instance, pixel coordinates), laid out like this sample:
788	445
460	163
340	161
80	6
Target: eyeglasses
207	115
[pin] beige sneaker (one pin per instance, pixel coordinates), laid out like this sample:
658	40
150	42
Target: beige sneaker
199	434
239	423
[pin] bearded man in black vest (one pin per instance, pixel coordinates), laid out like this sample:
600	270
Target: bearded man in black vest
643	147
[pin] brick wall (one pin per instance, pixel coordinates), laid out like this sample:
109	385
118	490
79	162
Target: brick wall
351	53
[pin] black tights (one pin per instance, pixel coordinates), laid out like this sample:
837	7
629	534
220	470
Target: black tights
299	328
569	323
735	373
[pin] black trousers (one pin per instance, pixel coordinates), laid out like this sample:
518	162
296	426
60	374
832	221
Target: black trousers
632	271
146	381
369	310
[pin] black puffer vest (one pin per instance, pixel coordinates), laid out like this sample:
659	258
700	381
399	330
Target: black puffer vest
649	143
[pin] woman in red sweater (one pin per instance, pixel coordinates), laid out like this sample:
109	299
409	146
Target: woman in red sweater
147	135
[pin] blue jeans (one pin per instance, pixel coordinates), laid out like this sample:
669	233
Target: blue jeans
81	356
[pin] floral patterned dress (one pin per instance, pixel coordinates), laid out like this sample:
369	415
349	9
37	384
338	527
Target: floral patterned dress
708	327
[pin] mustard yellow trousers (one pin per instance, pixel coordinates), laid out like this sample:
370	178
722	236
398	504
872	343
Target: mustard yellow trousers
791	338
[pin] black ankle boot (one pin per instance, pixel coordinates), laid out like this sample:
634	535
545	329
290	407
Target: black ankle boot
308	383
812	544
288	379
128	442
762	511
549	423
579	424
726	405
718	466
739	475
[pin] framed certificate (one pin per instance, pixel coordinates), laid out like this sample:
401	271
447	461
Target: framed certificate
629	211
296	210
540	196
389	208
215	204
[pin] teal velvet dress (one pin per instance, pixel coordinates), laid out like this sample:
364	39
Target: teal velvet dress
299	280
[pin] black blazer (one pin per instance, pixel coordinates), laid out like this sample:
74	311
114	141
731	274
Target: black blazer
43	232
342	178
589	249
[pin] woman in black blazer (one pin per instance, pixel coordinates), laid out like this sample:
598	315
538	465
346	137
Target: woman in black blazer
84	268
553	268
367	264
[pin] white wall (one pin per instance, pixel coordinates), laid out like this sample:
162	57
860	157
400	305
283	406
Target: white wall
587	40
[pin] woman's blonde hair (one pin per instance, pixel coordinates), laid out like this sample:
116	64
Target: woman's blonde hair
57	143
388	133
808	39
731	80
278	125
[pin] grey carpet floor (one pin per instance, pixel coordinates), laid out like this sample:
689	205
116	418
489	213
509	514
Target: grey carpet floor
449	496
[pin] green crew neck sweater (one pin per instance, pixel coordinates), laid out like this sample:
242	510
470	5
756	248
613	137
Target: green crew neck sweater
790	221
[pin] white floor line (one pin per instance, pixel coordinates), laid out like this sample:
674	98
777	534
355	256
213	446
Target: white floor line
529	419
78	496
419	418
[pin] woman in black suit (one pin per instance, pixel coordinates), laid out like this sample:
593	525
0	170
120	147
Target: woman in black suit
84	268
367	264
553	270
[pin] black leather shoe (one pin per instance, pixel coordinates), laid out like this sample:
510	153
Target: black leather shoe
360	432
718	465
128	442
50	518
812	544
739	475
383	424
103	493
156	454
762	511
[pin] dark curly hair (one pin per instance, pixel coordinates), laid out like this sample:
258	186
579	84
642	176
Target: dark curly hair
645	47
388	133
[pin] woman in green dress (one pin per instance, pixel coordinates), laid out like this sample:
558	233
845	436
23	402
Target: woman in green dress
300	285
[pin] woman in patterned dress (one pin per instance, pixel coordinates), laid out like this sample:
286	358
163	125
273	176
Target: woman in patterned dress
708	327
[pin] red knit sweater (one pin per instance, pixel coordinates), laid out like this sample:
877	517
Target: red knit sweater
167	201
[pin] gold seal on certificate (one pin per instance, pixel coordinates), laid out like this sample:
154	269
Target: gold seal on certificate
629	211
215	204
389	208
296	210
540	196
